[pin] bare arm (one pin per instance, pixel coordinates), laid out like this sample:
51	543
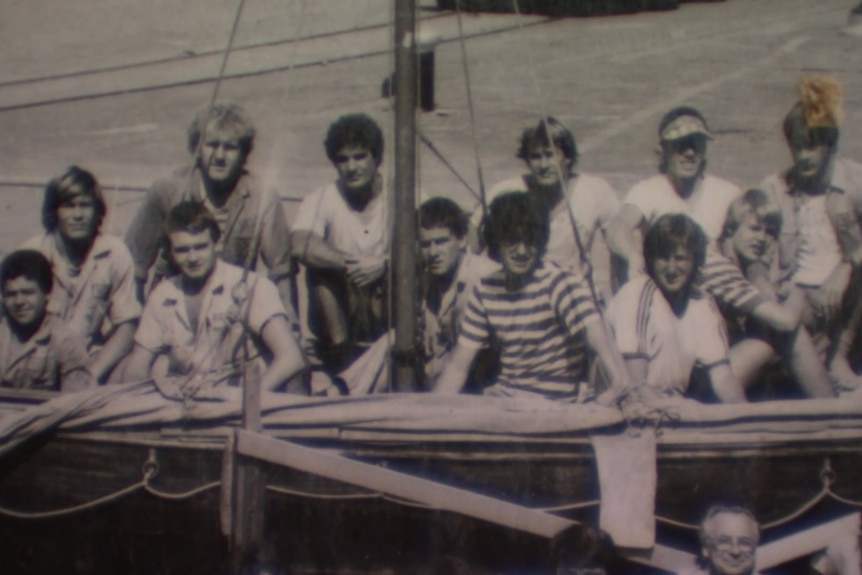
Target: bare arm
138	365
287	360
117	347
780	318
455	373
726	385
828	297
611	360
285	294
315	252
624	241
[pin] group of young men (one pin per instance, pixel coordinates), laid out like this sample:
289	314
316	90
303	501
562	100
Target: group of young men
711	285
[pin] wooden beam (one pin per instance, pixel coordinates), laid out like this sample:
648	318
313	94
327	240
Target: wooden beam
427	492
435	495
663	557
805	542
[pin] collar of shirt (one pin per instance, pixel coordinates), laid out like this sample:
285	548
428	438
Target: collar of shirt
99	251
42	338
216	285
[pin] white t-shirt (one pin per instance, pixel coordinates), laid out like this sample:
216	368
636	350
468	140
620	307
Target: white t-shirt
326	213
644	325
593	202
707	205
819	252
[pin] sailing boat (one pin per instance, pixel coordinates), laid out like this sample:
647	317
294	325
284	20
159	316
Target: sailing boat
122	479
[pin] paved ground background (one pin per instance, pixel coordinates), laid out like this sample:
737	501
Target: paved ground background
609	78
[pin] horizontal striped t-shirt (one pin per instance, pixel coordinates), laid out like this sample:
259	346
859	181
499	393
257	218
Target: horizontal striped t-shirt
723	280
539	329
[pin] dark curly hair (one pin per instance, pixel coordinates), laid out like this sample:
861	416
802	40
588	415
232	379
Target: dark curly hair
514	217
358	130
30	264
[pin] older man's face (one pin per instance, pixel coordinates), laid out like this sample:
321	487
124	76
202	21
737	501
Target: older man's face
731	544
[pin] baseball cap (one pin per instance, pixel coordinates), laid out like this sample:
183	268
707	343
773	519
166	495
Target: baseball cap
685	125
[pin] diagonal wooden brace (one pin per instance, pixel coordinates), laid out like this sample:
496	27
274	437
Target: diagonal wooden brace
425	491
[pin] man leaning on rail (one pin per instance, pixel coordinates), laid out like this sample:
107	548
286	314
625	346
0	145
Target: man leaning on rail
213	318
544	317
37	351
94	290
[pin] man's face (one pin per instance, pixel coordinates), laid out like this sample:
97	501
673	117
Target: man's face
673	273
221	156
685	157
731	545
810	162
194	254
76	217
440	249
548	164
750	240
518	257
356	168
24	301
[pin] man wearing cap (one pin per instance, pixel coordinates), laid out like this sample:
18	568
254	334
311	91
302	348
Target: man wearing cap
820	252
683	186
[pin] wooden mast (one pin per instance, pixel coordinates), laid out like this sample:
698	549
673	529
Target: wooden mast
404	288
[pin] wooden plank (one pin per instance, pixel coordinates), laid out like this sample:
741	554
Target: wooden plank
408	487
805	542
431	493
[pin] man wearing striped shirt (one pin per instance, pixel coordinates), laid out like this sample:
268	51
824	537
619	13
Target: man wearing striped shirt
543	318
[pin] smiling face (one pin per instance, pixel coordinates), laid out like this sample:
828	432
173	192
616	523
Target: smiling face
685	157
441	250
194	253
731	544
518	257
76	217
673	273
750	240
547	164
24	301
221	156
356	168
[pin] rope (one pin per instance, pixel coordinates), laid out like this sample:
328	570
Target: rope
584	260
827	478
328	496
149	470
183	495
221	70
571	506
482	199
425	140
74	509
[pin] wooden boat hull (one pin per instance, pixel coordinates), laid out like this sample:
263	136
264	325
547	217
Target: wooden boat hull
318	532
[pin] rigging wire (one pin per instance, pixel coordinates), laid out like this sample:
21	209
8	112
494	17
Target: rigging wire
470	107
583	257
434	150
